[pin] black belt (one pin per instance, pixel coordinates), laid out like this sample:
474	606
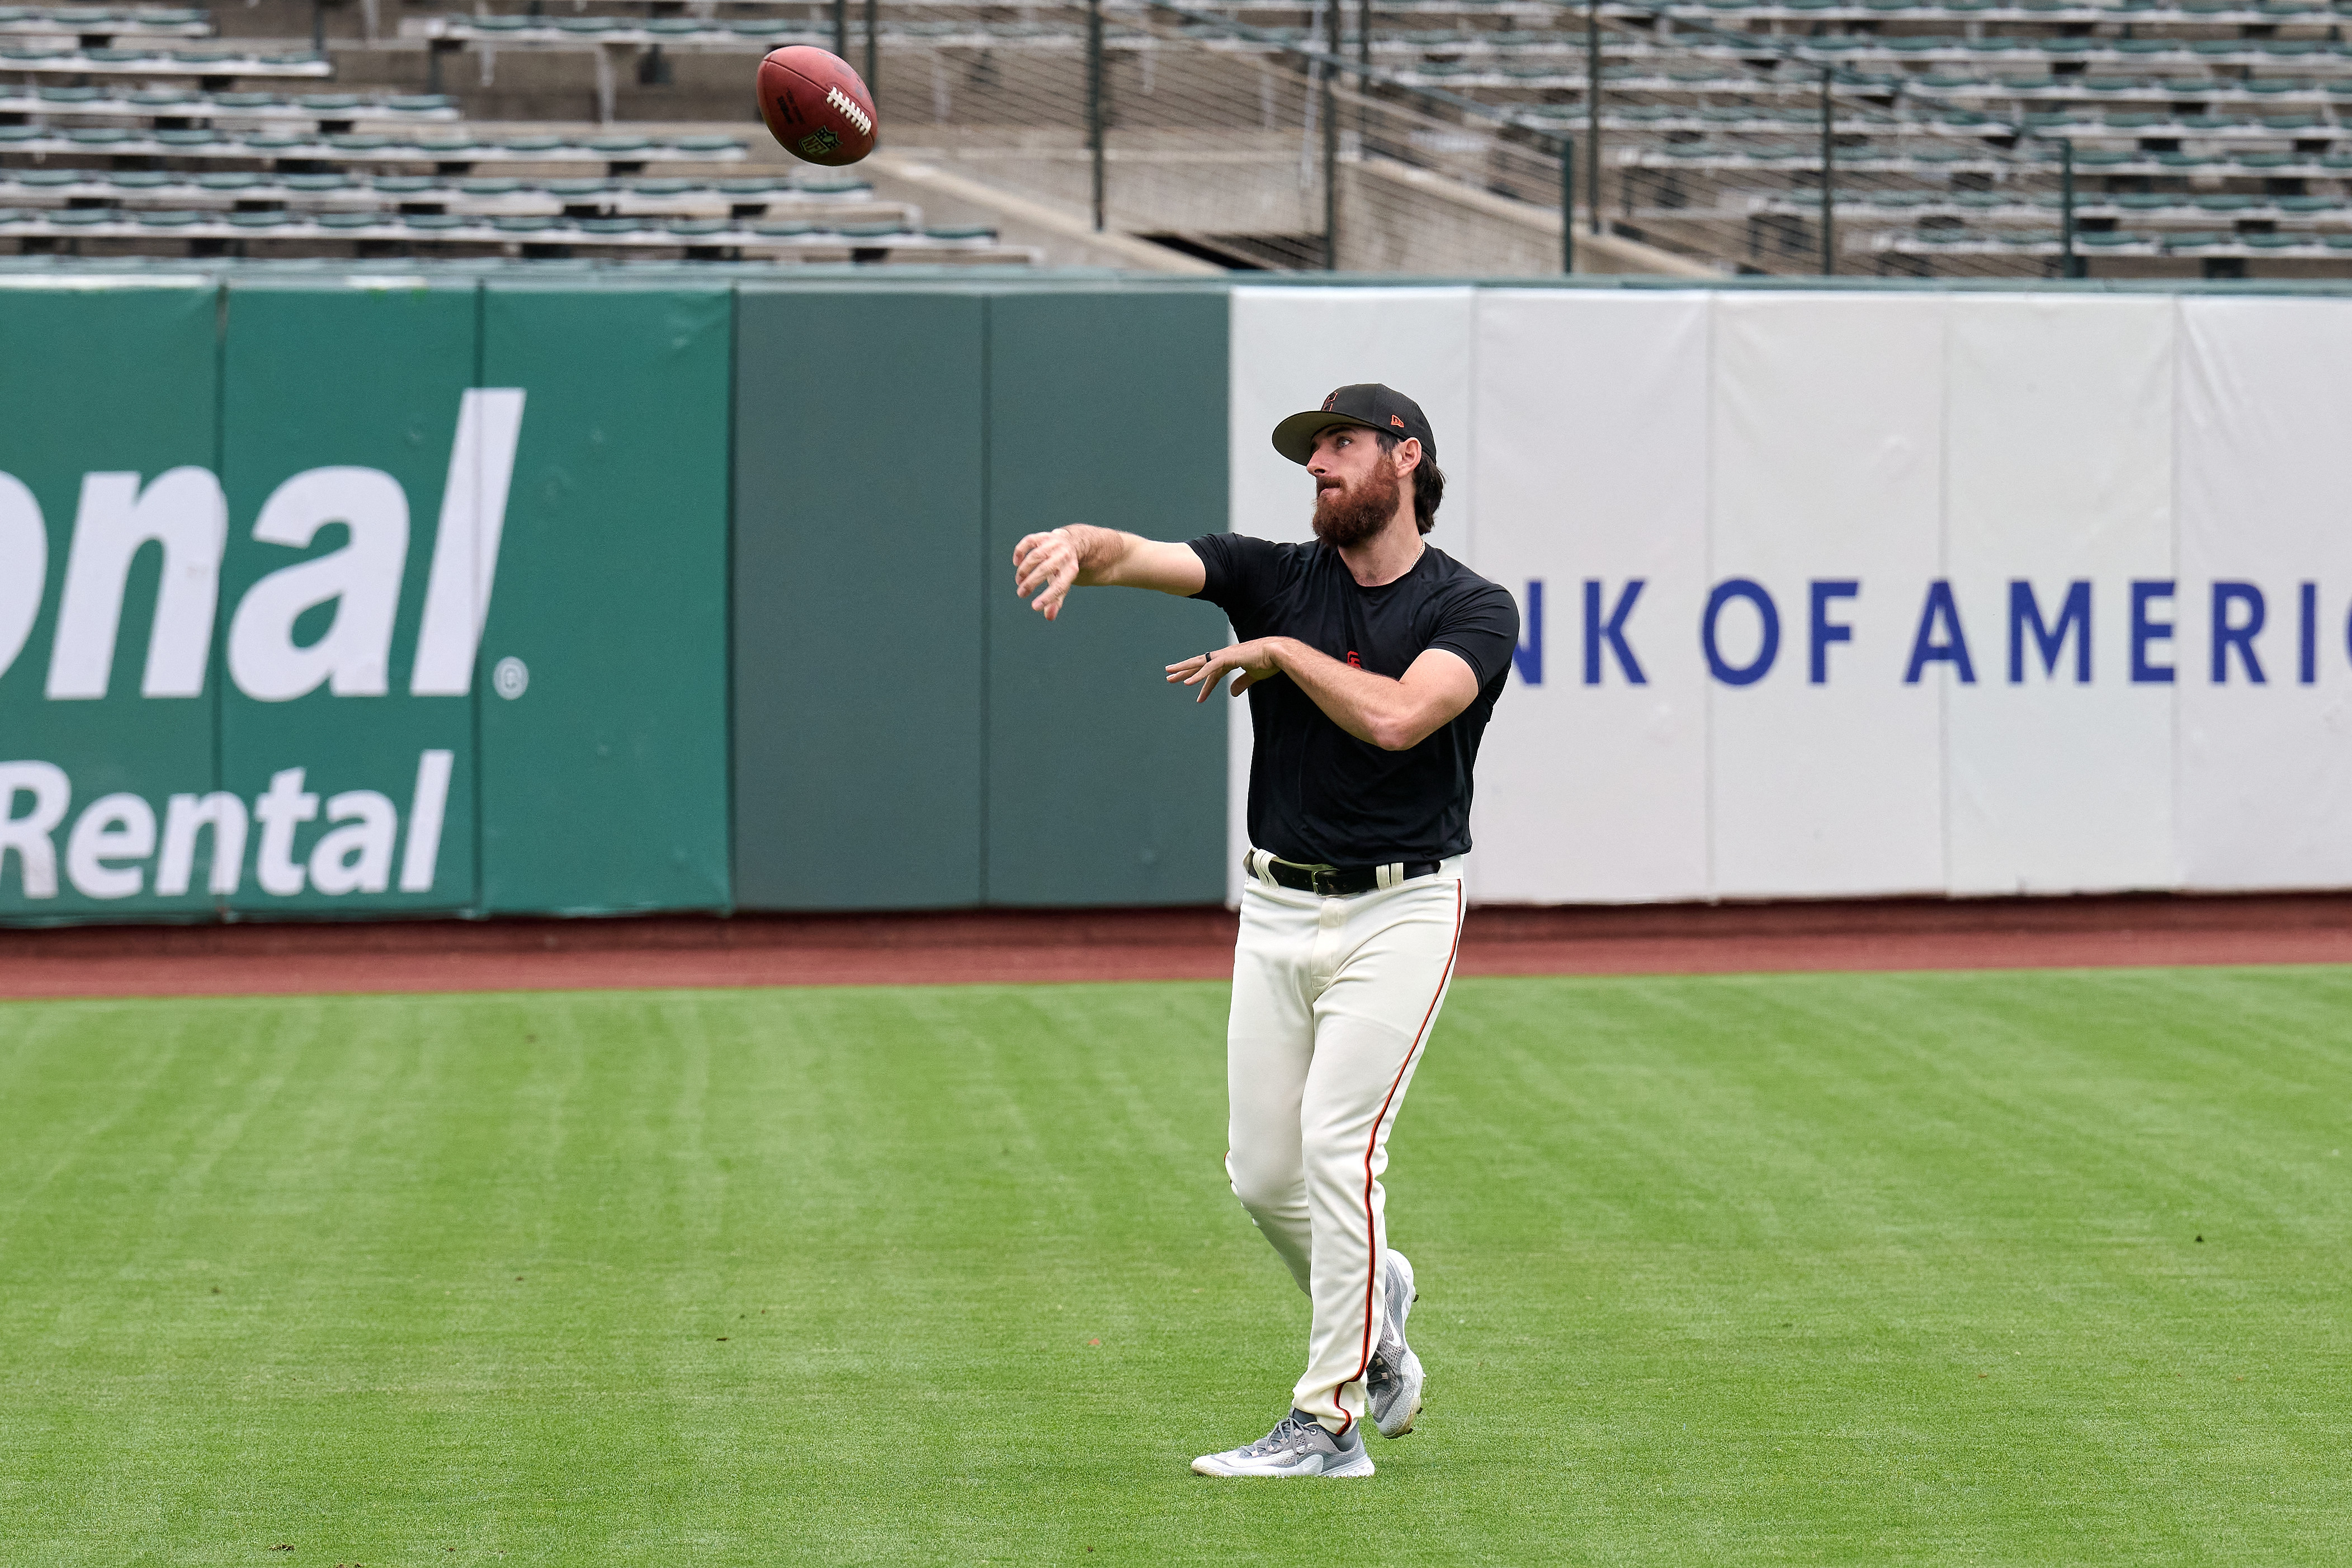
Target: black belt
1336	881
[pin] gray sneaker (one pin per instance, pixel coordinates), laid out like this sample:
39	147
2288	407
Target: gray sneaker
1393	1381
1299	1446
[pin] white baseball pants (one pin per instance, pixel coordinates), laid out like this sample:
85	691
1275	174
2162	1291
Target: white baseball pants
1333	1002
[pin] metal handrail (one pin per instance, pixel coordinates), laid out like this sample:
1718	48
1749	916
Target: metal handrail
1362	69
1327	62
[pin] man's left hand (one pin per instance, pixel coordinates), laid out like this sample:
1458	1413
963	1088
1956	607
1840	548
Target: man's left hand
1255	660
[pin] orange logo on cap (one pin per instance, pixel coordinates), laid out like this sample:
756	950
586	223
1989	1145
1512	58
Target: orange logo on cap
1395	421
1329	401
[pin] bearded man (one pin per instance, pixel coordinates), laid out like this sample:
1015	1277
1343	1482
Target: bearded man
1372	663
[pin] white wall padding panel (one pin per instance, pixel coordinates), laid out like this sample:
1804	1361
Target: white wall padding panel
2263	772
1828	467
2059	471
1590	414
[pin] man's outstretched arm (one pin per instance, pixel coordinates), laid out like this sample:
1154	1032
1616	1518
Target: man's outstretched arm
1081	557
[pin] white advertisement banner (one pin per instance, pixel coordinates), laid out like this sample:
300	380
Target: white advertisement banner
1832	594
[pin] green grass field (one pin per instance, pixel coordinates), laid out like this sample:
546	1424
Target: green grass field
1880	1270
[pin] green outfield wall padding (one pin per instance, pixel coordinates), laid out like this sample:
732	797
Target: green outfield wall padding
860	683
603	741
339	406
1105	785
446	596
119	383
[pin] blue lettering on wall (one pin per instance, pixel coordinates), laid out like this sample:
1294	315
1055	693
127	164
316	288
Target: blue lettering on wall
1528	658
2144	631
2307	663
2040	632
1758	667
1610	632
2025	618
2231	633
1824	630
1951	647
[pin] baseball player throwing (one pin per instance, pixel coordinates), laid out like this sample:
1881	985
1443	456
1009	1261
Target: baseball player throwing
1372	663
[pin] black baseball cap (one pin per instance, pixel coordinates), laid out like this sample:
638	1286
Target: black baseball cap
1370	406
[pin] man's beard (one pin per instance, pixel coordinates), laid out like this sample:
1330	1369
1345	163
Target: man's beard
1347	518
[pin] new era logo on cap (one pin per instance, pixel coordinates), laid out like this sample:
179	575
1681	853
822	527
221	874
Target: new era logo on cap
1370	405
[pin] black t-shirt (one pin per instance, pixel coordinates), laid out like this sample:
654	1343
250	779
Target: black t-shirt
1318	795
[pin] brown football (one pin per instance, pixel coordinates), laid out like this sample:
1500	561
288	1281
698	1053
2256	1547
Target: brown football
814	104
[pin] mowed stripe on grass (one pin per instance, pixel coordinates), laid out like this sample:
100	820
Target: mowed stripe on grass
1868	1269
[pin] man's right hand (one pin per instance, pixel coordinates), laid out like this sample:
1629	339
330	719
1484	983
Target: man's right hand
1081	555
1050	562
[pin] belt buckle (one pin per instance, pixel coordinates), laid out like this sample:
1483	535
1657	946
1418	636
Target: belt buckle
1327	882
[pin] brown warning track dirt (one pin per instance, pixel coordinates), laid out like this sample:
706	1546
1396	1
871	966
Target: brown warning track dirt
1136	944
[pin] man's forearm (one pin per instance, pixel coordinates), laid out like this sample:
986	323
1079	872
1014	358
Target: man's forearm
1371	708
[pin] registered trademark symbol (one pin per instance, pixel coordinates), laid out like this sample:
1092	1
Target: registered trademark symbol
511	677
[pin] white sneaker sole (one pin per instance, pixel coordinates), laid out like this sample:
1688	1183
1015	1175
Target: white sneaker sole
1215	1465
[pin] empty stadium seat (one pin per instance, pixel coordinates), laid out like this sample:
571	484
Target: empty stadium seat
133	190
457	233
361	149
220	65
